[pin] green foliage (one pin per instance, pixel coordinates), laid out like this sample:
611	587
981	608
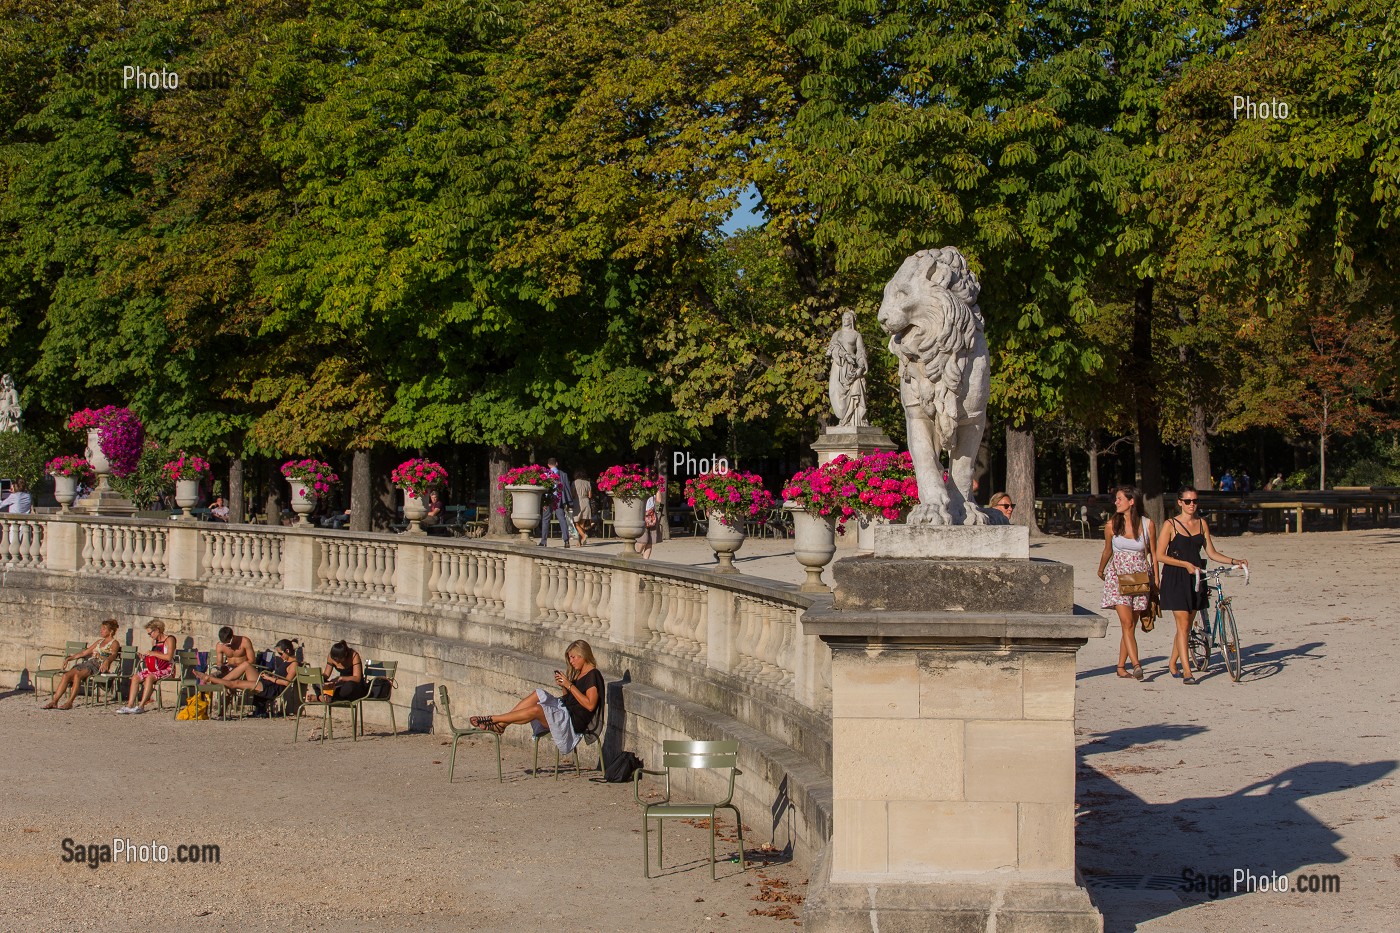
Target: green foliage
22	457
147	483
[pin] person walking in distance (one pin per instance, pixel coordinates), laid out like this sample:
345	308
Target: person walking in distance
1127	551
556	504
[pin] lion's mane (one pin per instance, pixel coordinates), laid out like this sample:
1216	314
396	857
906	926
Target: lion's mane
946	321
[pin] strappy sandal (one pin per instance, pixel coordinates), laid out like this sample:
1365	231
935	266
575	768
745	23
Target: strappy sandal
1123	673
487	724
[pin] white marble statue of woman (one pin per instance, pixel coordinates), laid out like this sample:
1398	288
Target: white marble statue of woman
11	414
848	369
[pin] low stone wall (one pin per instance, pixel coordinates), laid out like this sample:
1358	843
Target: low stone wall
687	654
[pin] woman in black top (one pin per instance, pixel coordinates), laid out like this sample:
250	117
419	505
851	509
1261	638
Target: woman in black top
566	717
1179	548
349	683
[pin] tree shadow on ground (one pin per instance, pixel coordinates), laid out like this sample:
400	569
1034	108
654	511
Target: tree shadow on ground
1262	827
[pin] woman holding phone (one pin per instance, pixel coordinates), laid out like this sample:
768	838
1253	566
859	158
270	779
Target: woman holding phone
566	717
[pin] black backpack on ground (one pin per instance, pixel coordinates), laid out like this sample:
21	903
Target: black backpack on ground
621	768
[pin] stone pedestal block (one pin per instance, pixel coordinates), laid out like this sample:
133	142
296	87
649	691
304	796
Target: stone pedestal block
853	442
996	542
952	747
957	585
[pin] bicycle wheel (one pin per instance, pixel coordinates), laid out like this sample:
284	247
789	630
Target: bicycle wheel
1198	643
1229	640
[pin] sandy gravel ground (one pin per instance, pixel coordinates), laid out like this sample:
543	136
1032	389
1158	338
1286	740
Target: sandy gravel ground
1291	772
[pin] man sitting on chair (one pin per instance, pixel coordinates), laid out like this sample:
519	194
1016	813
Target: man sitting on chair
233	655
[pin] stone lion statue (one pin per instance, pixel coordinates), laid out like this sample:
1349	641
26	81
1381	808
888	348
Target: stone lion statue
936	332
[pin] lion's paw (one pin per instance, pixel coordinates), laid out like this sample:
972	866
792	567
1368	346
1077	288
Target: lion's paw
975	516
928	513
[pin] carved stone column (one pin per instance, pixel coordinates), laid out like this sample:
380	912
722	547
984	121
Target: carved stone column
952	738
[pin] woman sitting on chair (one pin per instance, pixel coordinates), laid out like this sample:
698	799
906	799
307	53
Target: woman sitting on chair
155	666
266	685
345	677
565	717
94	659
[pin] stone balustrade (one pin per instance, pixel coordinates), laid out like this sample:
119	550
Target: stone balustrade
698	654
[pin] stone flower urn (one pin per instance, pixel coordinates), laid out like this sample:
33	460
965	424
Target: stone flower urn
814	544
525	505
629	521
100	464
65	490
414	510
725	539
303	502
186	496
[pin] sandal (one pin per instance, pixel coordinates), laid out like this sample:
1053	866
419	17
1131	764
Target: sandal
1137	671
1189	680
1123	673
481	722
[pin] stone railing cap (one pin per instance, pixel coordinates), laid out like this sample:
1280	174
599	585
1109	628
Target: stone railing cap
879	626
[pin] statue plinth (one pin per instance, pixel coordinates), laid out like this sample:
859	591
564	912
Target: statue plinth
854	442
1004	542
953	751
104	500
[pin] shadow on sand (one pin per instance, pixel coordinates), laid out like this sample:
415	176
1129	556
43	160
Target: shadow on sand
1261	827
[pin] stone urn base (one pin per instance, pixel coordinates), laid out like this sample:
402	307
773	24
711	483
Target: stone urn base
726	541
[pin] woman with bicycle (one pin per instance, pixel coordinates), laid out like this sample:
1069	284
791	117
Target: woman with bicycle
1179	554
1126	563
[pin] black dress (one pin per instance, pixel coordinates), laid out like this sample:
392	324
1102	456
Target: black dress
1180	589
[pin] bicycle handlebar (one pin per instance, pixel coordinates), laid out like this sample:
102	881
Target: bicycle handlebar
1224	572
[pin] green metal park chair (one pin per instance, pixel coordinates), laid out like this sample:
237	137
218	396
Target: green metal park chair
308	677
683	753
184	681
51	672
593	735
377	672
112	683
444	705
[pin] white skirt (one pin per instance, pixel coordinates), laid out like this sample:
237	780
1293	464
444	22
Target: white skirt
561	727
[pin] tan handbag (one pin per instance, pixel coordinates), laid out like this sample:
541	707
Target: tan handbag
1135	584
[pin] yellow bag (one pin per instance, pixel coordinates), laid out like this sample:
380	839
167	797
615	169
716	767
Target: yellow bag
196	707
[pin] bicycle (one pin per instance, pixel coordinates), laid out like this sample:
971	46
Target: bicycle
1203	638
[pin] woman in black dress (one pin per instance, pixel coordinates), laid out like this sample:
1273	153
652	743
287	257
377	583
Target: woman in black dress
1179	554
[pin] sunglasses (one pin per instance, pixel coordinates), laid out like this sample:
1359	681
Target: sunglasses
1188	501
1007	505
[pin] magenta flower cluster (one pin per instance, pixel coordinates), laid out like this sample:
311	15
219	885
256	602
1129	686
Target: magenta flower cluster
417	476
877	484
70	465
532	475
316	474
732	497
628	482
815	490
185	466
119	434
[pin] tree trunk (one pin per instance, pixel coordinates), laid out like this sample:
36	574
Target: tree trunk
498	524
361	491
1321	452
658	463
235	491
1146	406
272	505
1020	473
1094	462
1200	448
1069	472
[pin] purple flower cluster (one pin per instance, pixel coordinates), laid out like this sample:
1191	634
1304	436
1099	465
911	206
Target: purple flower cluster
119	434
316	474
881	483
731	496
